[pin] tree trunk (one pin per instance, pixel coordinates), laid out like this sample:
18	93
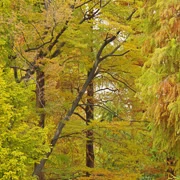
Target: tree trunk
40	104
89	133
40	100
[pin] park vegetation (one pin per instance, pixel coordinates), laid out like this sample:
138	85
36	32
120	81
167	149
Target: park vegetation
89	89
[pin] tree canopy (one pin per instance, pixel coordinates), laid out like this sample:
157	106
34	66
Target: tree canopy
89	89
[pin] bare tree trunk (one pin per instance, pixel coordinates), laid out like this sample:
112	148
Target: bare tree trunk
89	133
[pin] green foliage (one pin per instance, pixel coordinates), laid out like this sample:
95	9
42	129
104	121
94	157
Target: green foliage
159	83
22	143
61	39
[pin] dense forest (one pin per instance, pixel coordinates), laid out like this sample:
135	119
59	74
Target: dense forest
89	89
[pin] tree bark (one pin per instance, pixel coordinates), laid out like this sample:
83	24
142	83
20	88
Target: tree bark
40	104
89	134
40	100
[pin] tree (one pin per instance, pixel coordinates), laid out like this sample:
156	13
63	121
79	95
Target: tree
159	82
54	45
22	142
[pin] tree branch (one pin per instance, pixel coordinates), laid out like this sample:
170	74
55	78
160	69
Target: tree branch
126	84
109	89
58	36
130	16
80	116
106	42
82	4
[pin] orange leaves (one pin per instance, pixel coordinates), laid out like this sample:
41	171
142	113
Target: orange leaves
168	90
167	111
167	93
169	24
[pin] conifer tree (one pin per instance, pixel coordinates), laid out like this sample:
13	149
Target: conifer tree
159	83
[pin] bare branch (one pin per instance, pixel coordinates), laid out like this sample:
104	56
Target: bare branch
105	108
16	67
